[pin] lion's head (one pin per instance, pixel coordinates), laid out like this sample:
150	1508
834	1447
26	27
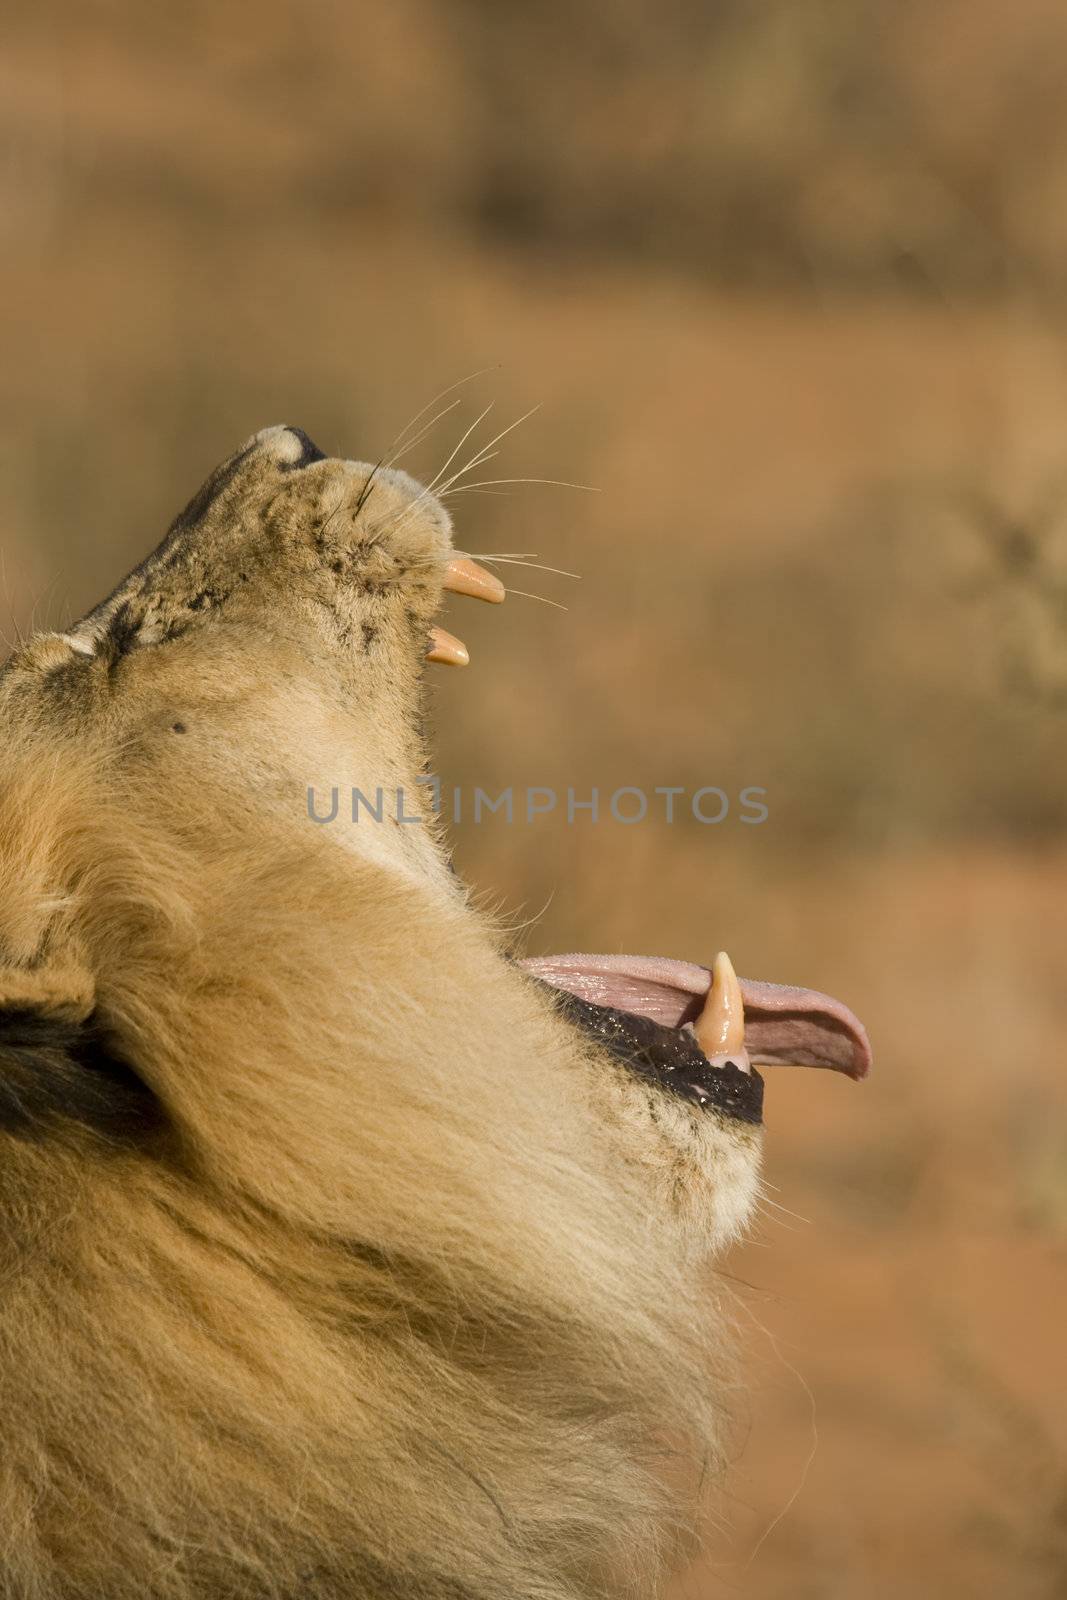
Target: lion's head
343	1255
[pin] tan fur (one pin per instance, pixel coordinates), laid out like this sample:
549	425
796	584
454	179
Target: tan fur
401	1297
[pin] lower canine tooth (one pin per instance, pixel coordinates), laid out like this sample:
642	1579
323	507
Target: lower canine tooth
720	1027
446	648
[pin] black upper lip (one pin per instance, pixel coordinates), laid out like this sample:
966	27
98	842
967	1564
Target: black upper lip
668	1057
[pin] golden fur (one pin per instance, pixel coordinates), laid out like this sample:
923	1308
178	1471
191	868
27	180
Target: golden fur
396	1294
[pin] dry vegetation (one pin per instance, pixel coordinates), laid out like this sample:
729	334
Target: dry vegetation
787	284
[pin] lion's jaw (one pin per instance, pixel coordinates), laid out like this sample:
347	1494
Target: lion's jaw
365	1210
262	670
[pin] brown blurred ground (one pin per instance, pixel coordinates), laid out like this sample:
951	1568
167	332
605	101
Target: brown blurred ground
788	285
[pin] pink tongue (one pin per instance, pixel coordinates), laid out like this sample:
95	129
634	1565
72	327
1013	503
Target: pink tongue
782	1024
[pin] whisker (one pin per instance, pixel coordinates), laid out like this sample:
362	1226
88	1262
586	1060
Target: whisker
328	519
766	1201
399	454
558	483
420	436
425	493
439	475
520	927
483	455
431	489
493	367
515	561
399	446
12	645
364	493
443	490
526	595
814	1435
44	597
785	1226
494	494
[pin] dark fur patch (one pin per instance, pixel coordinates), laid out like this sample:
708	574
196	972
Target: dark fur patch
206	599
309	452
206	495
173	547
670	1058
177	628
54	1072
122	630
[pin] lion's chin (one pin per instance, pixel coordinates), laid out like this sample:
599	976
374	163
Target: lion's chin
688	1109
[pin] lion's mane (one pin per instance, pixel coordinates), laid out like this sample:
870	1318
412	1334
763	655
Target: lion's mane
348	1322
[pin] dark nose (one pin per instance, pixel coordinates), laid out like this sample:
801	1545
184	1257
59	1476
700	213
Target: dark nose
309	451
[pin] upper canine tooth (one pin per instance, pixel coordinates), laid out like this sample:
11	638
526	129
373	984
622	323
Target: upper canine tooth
447	648
464	576
720	1027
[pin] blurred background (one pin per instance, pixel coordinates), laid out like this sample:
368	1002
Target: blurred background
787	283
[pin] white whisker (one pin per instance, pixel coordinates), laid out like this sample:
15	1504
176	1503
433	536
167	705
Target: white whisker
426	493
438	475
483	455
516	561
426	428
526	595
443	490
494	494
431	403
558	483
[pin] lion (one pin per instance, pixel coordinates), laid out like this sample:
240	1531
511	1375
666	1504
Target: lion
344	1254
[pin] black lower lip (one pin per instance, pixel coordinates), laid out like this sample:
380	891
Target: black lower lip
670	1058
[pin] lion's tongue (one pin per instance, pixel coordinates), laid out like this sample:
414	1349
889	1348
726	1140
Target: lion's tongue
782	1024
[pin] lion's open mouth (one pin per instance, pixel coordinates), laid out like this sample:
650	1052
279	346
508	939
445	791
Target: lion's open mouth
696	1031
